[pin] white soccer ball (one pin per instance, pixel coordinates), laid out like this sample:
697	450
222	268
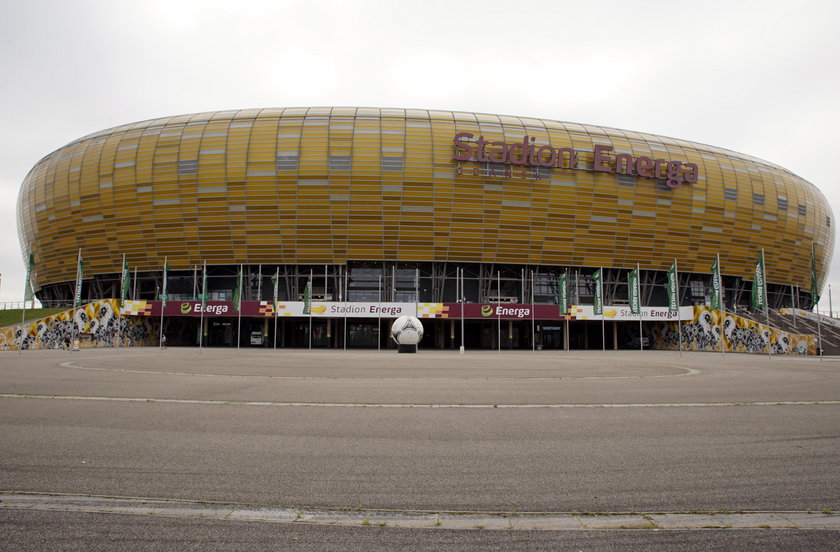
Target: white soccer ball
407	330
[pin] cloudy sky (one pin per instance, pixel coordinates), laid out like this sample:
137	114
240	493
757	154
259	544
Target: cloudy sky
758	77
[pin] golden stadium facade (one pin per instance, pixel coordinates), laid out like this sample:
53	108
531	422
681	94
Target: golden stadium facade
390	205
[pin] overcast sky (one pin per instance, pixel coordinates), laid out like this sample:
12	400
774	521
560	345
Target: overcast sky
761	78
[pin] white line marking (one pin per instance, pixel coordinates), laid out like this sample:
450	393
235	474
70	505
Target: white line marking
556	521
411	405
71	364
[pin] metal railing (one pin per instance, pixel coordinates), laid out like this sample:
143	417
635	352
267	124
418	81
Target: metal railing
16	305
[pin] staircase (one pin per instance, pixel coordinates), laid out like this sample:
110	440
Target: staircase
828	328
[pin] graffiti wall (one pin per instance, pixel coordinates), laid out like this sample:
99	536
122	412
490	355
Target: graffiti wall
97	324
739	335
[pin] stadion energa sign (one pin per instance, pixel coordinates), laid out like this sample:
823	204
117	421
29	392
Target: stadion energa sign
623	313
349	310
603	157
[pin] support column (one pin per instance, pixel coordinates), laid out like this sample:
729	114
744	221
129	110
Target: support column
329	333
566	344
615	335
265	332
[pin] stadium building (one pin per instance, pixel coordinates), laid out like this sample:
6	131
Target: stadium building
363	214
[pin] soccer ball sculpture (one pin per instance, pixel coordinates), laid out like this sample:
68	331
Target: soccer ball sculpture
407	330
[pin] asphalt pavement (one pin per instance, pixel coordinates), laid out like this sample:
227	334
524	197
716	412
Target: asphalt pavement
499	433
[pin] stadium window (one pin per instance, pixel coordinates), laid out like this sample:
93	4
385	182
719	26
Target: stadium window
697	288
541	173
730	194
802	210
782	203
392	163
758	199
628	180
287	161
339	162
187	166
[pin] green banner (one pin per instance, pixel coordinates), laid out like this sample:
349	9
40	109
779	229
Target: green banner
563	294
815	290
759	287
633	291
237	293
203	286
125	282
275	280
716	299
80	269
598	302
163	291
672	287
28	292
307	297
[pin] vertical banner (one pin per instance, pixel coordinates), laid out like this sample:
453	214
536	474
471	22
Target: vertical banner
275	280
27	296
163	292
716	299
307	305
80	269
307	297
671	286
563	294
125	282
598	304
203	285
759	286
633	291
203	304
28	292
815	291
237	304
237	291
162	338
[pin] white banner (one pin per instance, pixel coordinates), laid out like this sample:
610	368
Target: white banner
349	310
622	312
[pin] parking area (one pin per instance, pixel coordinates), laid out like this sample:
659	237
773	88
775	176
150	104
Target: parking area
483	431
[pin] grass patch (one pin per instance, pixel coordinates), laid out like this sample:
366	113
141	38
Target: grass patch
11	317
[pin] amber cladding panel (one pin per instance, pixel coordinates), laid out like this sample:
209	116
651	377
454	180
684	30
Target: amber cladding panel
330	185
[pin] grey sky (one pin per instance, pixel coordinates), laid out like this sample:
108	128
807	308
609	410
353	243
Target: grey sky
760	78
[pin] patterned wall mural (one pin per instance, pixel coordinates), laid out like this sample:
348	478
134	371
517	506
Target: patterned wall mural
739	335
98	324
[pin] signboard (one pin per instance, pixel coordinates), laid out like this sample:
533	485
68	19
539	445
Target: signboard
622	312
528	153
492	311
264	309
472	311
349	310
